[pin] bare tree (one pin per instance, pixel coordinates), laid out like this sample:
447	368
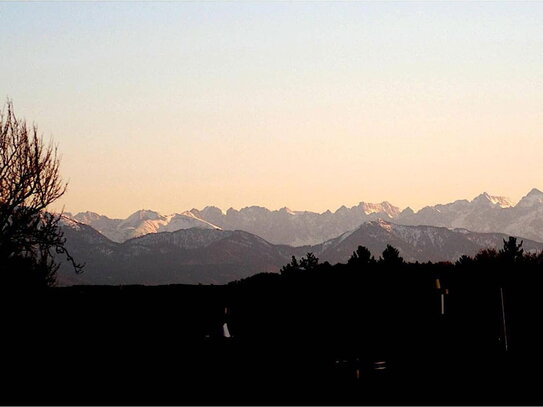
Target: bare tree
29	183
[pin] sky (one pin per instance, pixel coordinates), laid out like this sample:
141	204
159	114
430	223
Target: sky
310	105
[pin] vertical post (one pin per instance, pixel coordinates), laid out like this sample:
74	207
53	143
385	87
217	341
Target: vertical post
503	320
442	292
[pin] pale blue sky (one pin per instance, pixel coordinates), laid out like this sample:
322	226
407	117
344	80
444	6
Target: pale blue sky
310	105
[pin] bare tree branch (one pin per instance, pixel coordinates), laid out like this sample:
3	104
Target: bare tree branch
29	183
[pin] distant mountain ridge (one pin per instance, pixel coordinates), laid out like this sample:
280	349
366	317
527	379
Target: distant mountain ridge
216	256
281	226
140	223
192	256
485	213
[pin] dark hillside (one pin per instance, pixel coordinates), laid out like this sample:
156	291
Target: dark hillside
366	332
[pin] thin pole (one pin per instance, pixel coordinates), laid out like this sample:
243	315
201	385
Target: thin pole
503	319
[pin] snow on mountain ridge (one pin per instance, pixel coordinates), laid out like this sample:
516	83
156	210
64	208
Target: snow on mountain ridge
141	223
191	238
487	199
68	221
484	213
383	207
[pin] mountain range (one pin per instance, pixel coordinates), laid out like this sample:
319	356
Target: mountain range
216	256
484	213
195	255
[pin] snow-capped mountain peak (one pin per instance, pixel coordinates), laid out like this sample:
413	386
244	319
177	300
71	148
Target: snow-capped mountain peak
141	223
491	200
87	217
383	207
287	210
144	214
534	198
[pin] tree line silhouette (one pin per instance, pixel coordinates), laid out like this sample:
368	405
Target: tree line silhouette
370	331
387	331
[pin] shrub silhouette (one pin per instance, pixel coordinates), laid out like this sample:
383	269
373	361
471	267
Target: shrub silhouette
391	256
362	256
291	267
310	262
511	252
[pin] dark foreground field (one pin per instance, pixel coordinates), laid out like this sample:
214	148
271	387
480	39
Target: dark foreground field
380	337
